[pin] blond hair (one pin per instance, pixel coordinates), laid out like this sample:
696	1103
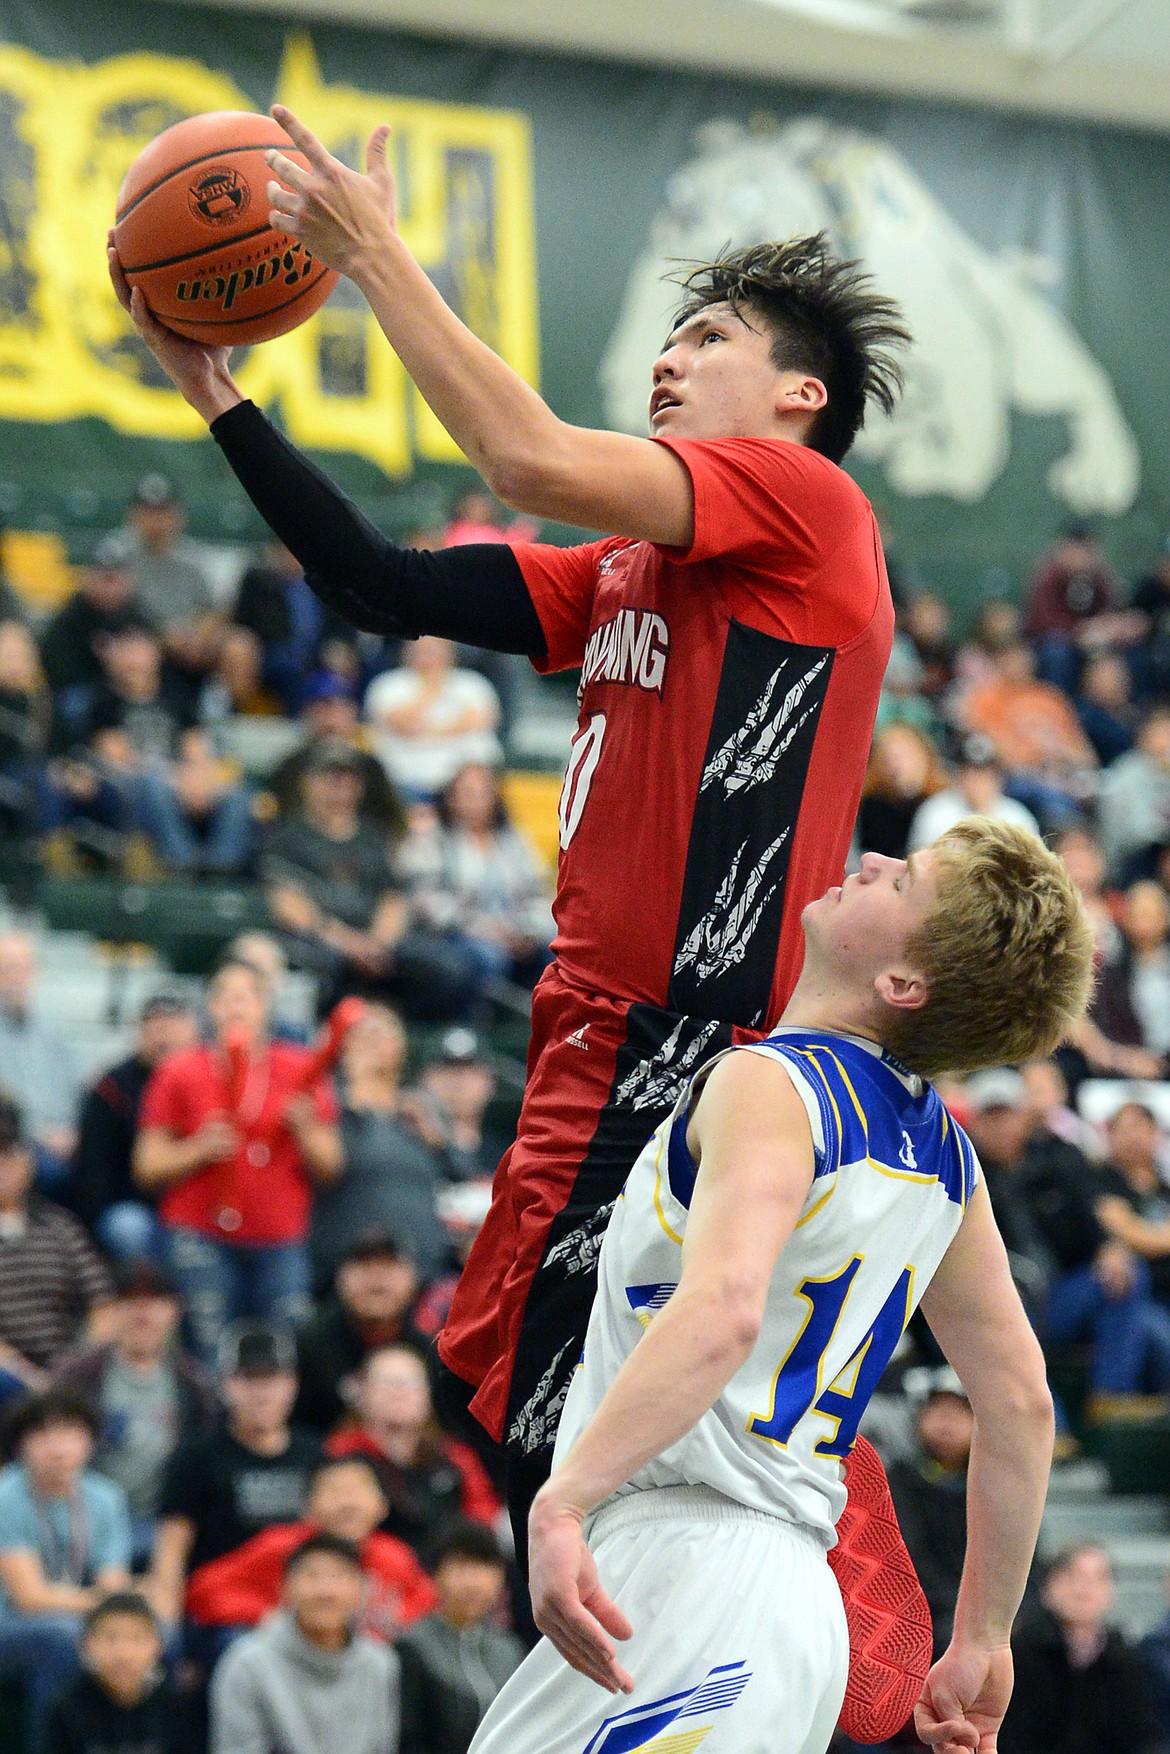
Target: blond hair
1007	954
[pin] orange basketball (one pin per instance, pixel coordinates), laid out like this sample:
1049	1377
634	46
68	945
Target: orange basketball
192	231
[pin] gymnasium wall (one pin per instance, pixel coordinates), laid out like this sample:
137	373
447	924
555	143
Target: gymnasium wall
544	195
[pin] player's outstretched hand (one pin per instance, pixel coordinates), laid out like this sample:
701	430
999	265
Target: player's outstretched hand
344	218
199	373
964	1700
568	1603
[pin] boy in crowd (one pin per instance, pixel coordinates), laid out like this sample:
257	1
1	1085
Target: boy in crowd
307	1682
64	1543
456	1660
346	1500
121	1701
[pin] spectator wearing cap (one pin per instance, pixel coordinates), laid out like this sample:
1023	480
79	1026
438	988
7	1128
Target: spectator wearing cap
307	1681
456	1660
53	1283
1134	806
170	575
457	1088
375	1290
1001	1124
104	602
197	812
36	1058
345	1500
1079	1684
429	719
102	1188
64	1542
123	1698
427	1476
224	1486
391	1177
929	1490
150	1395
342	912
233	1145
26	713
329	708
473	873
975	790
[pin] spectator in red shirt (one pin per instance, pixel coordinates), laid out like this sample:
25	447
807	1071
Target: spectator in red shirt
428	1477
233	1144
346	1500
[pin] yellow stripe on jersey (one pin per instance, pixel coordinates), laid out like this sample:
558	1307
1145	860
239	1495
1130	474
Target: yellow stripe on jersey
663	1135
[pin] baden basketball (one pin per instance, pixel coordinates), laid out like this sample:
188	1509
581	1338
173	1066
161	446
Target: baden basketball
192	231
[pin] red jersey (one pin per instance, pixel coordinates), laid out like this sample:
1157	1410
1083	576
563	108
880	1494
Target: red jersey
240	1587
262	1195
728	696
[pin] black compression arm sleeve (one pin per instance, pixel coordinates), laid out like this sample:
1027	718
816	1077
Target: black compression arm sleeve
476	594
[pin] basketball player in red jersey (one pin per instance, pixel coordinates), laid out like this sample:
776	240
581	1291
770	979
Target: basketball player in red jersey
732	630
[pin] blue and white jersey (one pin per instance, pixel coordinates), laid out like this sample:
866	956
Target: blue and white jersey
893	1174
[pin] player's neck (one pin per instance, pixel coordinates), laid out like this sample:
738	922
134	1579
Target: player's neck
818	1003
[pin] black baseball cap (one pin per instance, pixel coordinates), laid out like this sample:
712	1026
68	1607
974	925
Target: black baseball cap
375	1244
460	1047
143	1278
257	1349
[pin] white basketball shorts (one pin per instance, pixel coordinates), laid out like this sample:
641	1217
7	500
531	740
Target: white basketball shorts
740	1644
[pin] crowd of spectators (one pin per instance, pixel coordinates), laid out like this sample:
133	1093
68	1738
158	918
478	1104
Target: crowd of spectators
231	1518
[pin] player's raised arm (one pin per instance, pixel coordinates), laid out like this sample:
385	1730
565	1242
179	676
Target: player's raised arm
975	1314
751	1137
474	593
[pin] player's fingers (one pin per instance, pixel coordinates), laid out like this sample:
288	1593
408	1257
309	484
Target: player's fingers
578	1655
286	169
376	161
607	1613
301	136
288	223
118	278
282	200
145	322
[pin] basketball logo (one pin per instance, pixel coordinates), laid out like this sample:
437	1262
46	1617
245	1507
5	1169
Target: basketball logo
219	196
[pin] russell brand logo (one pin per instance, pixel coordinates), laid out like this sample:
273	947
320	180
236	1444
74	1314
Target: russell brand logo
219	196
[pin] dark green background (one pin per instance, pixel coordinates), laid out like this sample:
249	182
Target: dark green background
605	140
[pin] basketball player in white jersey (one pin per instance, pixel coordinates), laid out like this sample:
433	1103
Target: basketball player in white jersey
769	1247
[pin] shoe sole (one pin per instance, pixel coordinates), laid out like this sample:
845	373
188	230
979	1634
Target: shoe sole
890	1634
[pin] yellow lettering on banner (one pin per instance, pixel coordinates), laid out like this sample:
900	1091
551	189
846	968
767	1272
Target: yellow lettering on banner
68	132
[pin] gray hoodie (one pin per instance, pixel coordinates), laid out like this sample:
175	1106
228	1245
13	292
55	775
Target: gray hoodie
275	1693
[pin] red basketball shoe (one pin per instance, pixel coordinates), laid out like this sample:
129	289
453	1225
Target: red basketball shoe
890	1634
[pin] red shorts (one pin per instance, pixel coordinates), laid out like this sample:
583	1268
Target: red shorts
602	1073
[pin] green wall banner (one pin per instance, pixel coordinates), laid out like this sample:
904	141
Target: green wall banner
547	197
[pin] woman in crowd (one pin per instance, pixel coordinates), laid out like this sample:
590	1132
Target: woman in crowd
471	871
390	1178
428	1477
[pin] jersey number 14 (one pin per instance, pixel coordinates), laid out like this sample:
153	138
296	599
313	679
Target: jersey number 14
798	1388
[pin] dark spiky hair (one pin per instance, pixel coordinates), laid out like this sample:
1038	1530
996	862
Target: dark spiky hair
825	318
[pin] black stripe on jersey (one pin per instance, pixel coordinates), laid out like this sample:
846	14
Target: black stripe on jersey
660	1053
769	703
